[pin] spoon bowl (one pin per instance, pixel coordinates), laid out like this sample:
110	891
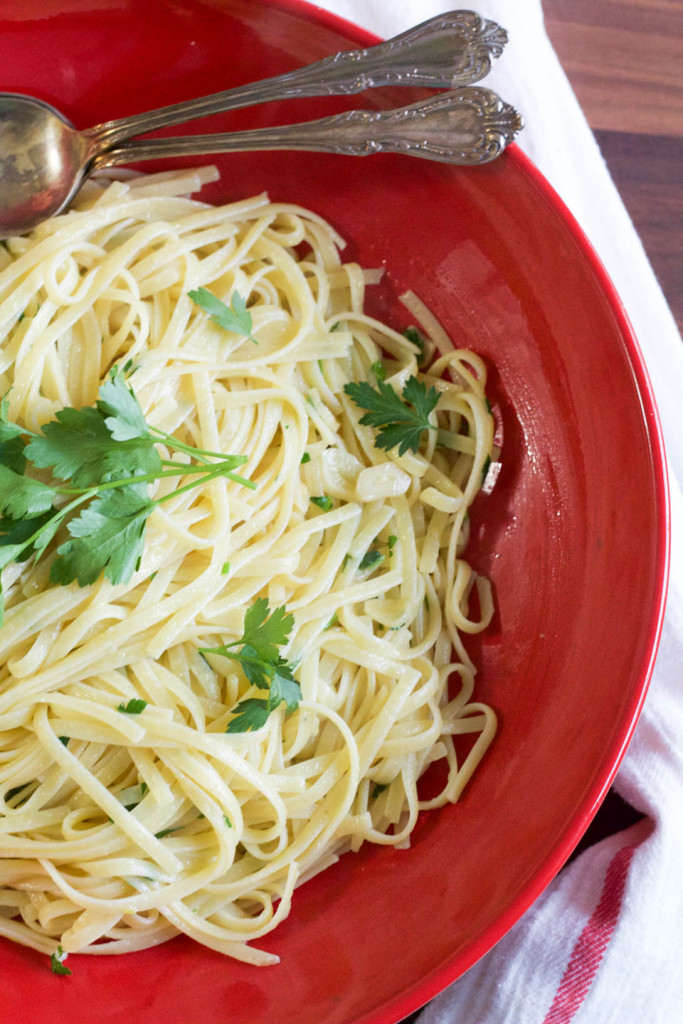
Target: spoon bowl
43	162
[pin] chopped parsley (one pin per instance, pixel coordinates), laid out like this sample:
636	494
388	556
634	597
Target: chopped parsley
370	559
134	706
379	370
166	832
323	501
415	338
57	962
11	793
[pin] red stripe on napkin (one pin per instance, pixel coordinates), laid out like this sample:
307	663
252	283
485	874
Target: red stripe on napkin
592	942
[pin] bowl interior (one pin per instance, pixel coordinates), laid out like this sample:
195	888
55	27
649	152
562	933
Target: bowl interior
573	534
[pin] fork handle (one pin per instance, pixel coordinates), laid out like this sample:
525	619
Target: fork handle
471	125
449	50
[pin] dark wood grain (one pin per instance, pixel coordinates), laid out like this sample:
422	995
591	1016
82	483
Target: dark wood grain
648	171
624	59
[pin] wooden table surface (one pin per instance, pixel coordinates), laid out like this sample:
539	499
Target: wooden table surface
624	59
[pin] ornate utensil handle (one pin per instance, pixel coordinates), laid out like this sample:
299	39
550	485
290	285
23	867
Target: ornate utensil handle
471	125
449	50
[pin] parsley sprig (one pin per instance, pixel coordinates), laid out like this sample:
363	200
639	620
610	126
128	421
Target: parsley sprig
264	631
401	418
101	459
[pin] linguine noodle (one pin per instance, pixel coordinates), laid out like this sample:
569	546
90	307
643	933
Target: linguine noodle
118	831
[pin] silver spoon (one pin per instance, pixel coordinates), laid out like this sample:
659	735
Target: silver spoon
44	160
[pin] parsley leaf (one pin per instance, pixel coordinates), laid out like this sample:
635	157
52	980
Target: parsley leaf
12	453
71	445
7	428
57	962
19	531
21	496
11	442
108	535
235	317
401	419
251	714
258	671
264	630
125	419
284	687
79	444
8	553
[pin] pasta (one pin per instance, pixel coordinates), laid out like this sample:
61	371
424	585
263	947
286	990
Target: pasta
118	831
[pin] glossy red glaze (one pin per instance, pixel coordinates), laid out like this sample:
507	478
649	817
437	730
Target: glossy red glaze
574	535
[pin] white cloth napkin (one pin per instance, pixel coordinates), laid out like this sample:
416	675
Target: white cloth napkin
602	945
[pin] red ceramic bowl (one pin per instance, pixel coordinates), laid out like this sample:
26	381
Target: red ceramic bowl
574	535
